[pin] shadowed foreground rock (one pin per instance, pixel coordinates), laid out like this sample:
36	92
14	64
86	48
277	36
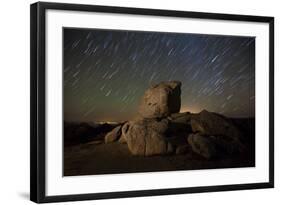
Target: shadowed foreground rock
208	123
221	131
202	145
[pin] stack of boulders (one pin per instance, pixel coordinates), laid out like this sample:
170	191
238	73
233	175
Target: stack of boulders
146	135
160	129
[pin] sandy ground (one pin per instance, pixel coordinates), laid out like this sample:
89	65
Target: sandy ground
98	158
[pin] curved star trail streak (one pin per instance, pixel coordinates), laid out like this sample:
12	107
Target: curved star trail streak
106	72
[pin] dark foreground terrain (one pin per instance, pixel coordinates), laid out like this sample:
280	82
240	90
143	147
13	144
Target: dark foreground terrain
86	153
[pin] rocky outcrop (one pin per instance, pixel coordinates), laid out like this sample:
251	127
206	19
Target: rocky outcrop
146	137
161	100
160	129
113	135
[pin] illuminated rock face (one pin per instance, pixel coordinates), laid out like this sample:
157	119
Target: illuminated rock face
146	137
161	100
113	135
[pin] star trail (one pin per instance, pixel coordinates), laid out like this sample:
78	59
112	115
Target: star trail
107	71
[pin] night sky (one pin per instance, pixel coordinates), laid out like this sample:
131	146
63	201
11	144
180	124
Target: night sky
106	72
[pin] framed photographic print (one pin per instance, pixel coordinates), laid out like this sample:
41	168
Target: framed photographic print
129	102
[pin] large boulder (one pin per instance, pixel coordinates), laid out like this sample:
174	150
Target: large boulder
113	135
202	145
161	100
146	137
208	123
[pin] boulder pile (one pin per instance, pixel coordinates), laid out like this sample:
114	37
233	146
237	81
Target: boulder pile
160	129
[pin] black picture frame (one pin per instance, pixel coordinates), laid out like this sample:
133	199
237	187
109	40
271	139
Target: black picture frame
38	103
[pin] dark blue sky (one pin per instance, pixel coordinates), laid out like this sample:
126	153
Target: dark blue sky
106	72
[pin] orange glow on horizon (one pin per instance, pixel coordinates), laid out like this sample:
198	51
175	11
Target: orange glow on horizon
192	109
